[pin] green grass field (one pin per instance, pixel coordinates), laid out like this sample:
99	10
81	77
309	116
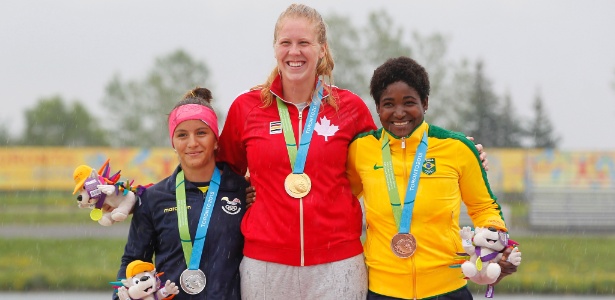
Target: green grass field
551	265
33	208
75	264
562	265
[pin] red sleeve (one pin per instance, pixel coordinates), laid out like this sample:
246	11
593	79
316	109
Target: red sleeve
231	148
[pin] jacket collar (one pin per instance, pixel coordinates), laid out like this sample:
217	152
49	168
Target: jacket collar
277	90
226	183
412	139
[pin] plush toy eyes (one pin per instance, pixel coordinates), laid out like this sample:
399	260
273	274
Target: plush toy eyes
135	281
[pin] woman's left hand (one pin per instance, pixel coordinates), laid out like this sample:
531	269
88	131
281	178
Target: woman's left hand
250	194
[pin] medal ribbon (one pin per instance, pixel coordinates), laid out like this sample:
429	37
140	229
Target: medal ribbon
487	257
192	254
101	201
403	218
298	157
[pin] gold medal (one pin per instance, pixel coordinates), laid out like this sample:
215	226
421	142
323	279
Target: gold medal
297	185
403	245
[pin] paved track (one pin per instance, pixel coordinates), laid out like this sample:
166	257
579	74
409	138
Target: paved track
65	231
107	295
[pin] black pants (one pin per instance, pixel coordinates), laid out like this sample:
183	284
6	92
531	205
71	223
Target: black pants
460	294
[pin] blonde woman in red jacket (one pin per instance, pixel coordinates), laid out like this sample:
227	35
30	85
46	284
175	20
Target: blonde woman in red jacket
302	237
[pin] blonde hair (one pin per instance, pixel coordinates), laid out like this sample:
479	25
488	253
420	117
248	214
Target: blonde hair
325	65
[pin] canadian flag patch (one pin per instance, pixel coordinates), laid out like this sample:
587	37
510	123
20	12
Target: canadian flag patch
325	128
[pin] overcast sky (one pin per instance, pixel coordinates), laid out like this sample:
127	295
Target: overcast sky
72	48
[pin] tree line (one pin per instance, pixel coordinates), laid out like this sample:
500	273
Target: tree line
462	97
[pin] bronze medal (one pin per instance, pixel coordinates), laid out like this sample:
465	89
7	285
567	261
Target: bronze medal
297	185
192	281
403	245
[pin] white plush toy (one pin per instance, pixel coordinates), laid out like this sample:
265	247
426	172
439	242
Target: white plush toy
110	200
142	282
485	247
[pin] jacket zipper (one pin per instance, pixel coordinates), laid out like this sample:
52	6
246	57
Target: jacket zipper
301	237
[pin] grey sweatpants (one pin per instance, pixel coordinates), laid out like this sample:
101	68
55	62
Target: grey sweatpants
341	280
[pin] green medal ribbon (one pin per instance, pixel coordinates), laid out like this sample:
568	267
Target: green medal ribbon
389	176
289	136
403	218
193	255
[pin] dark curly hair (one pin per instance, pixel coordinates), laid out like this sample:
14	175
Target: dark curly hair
403	69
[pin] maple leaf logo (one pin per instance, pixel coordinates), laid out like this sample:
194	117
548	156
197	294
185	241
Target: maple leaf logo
325	128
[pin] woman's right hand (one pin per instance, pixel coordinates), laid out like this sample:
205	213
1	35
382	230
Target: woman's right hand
511	259
122	293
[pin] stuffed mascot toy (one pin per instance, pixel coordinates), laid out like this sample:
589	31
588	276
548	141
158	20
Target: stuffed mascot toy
484	247
142	282
110	199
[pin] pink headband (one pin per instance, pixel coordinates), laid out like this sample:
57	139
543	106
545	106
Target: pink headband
193	112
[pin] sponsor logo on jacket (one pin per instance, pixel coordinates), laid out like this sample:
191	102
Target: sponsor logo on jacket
231	207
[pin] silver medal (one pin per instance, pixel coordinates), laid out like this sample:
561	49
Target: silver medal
192	281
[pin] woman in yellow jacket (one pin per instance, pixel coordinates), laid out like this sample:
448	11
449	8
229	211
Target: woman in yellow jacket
413	177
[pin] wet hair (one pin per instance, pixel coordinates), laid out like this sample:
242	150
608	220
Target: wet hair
195	105
403	69
198	95
325	65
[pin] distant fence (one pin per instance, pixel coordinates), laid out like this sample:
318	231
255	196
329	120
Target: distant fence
571	208
571	190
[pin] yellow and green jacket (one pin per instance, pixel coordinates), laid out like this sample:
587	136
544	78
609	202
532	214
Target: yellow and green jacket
452	173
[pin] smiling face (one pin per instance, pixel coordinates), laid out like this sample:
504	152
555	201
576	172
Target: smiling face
488	238
401	109
195	144
297	49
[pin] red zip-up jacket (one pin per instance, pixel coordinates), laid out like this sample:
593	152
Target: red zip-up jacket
327	227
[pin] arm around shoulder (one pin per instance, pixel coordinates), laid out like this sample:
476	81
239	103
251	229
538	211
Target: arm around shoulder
230	146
